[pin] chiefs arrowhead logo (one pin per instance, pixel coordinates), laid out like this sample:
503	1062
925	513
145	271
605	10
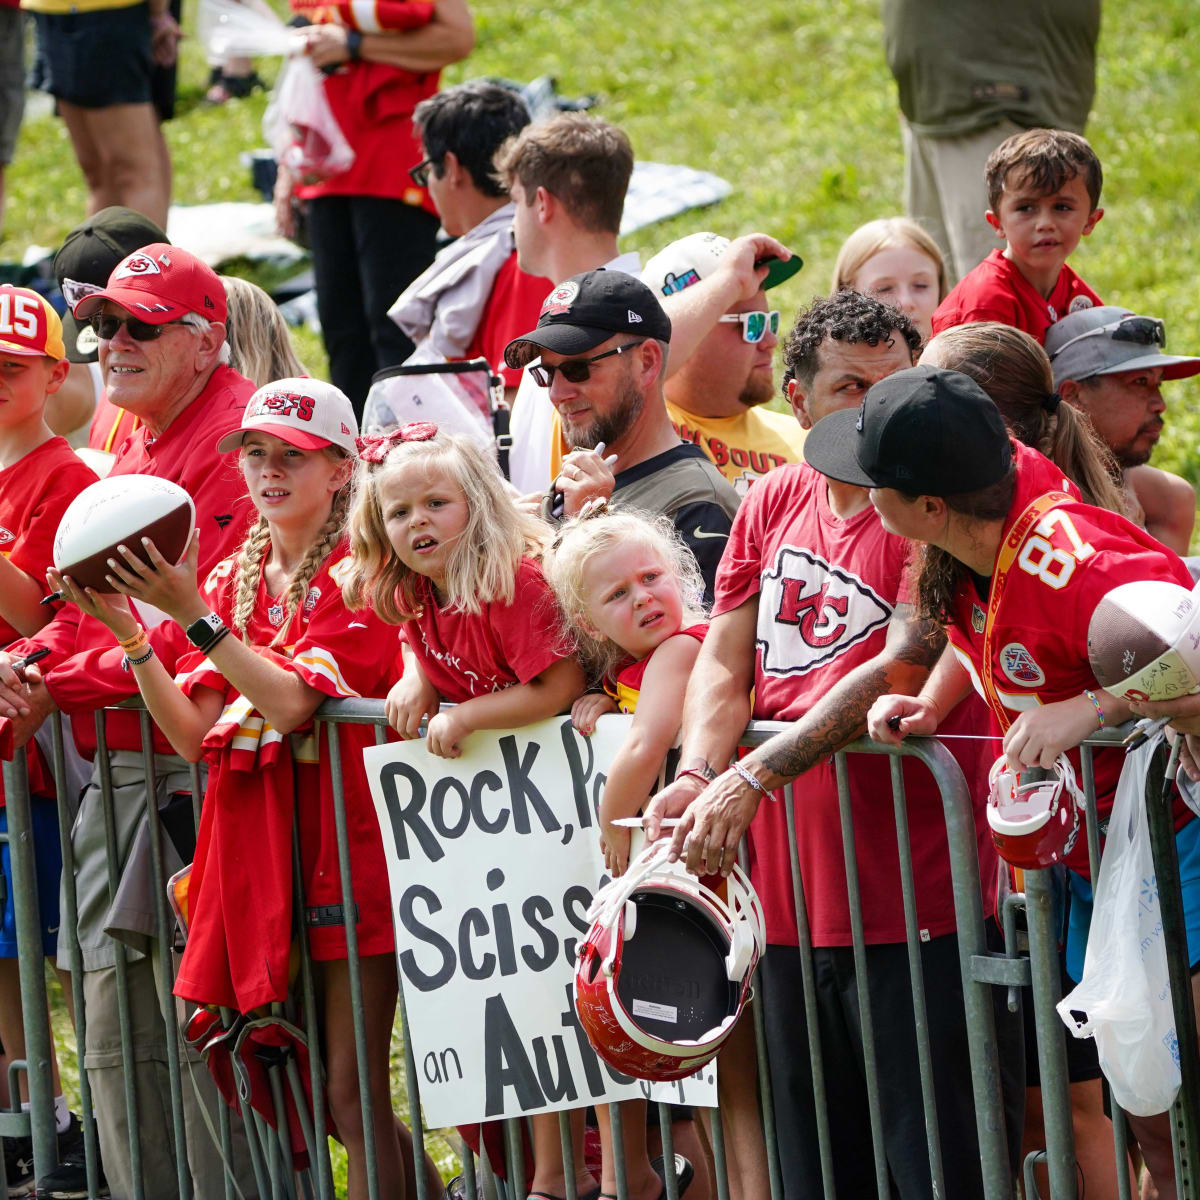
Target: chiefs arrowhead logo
810	612
560	300
136	264
6	535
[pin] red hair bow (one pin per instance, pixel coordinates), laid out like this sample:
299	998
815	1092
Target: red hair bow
376	449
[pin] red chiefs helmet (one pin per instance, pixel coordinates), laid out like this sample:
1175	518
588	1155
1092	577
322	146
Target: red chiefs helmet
1034	815
666	967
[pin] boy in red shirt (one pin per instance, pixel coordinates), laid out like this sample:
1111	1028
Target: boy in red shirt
1044	191
39	476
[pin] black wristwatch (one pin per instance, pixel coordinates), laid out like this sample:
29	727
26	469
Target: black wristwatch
201	632
354	44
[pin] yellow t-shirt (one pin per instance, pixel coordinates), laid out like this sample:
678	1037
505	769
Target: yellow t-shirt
60	8
744	447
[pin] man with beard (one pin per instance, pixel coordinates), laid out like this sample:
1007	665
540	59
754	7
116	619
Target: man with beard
602	339
715	399
1109	363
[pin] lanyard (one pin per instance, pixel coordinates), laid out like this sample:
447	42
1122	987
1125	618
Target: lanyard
1009	548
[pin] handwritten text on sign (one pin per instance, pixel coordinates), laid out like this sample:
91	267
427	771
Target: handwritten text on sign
492	860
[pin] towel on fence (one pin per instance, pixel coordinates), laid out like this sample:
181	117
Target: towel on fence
240	892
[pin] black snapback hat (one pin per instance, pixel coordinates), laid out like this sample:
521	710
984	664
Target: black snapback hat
88	255
588	309
925	431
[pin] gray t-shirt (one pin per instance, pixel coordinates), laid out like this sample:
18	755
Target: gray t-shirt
962	65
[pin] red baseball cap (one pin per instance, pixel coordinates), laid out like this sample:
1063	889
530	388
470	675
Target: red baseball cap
160	283
29	326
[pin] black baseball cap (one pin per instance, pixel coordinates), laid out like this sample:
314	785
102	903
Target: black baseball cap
588	309
924	431
88	255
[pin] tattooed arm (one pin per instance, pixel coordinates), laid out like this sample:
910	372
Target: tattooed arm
721	814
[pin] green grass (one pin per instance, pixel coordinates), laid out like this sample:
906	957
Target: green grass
794	105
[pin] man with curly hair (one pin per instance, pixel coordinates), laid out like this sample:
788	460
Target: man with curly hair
811	623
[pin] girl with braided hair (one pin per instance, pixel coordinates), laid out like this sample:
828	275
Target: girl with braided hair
239	701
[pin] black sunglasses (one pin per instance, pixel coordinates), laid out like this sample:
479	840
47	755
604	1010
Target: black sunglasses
575	370
420	173
106	326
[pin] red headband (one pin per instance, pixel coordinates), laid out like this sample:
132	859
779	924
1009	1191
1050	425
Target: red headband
376	448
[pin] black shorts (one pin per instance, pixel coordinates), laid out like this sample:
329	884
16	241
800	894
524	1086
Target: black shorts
1083	1061
96	59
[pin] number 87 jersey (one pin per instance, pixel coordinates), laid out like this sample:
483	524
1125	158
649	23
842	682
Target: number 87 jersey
1060	563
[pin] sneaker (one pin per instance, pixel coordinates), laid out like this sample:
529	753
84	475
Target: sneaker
68	1181
18	1166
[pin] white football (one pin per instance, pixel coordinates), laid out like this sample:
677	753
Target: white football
1144	640
121	510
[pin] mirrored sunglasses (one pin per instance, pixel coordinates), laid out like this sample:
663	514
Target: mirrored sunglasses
754	324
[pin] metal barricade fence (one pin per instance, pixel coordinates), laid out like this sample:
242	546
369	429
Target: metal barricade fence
272	1173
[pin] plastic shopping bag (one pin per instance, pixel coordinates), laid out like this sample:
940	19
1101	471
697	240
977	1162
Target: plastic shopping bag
231	29
1125	995
301	127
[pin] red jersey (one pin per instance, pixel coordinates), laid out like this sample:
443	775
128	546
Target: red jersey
465	655
997	291
84	670
373	104
337	652
34	494
511	309
627	686
826	589
1067	561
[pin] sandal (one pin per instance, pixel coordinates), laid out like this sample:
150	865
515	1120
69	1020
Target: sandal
684	1174
593	1194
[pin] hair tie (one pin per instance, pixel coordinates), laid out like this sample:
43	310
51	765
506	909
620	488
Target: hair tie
1051	402
376	448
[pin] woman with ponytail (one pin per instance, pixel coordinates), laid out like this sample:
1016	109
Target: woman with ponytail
271	639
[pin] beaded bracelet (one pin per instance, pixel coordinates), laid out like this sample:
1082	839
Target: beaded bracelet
137	662
747	778
1096	705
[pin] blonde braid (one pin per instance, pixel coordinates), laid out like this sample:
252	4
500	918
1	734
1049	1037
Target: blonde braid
330	533
250	569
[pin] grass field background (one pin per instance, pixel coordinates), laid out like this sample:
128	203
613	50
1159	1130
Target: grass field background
790	102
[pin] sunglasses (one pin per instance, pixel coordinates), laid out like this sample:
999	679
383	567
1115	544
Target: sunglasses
754	324
106	326
1143	331
420	173
575	370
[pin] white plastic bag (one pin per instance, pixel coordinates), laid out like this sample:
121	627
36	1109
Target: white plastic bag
231	29
1125	994
301	127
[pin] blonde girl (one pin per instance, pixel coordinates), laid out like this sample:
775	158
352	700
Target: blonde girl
260	346
439	547
273	639
894	259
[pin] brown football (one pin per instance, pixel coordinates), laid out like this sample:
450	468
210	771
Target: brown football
121	510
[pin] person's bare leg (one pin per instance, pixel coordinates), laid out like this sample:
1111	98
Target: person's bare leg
379	992
741	1120
87	153
549	1171
1094	1150
12	1027
132	161
640	1178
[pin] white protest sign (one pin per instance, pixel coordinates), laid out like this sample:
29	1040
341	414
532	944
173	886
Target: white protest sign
492	860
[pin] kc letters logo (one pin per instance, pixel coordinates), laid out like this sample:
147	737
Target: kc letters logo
810	612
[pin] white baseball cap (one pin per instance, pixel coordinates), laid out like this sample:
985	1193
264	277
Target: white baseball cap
306	413
695	257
